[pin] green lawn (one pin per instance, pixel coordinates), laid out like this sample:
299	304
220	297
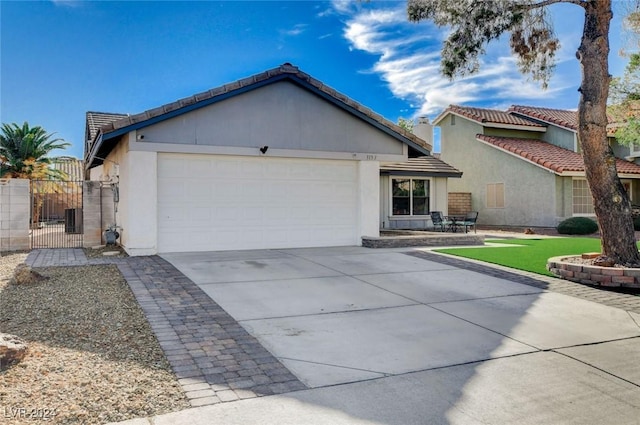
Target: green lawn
532	255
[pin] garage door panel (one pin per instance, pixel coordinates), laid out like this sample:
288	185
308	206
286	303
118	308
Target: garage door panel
172	167
171	189
254	203
198	189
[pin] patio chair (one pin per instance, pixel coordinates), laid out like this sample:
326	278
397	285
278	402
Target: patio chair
470	221
438	220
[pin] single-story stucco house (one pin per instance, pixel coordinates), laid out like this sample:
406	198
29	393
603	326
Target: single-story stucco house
276	160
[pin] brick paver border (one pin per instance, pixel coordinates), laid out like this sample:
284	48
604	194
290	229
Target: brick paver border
214	358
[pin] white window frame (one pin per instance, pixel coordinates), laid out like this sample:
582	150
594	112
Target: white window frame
410	178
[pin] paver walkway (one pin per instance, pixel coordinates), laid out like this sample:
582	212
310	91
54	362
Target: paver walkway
213	357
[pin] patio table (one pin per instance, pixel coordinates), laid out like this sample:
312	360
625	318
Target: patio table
454	222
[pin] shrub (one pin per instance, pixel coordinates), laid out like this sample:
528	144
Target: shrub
577	226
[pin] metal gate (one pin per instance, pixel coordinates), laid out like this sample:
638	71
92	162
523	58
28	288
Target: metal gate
56	214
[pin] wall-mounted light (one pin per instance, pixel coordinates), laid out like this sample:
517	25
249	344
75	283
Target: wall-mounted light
140	136
264	149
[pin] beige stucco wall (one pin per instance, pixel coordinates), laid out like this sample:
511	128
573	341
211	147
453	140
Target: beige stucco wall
505	132
561	137
530	191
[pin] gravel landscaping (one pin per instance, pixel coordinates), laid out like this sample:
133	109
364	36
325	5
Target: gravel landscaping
92	356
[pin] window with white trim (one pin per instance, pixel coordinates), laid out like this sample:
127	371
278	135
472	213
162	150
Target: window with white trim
495	195
410	196
582	199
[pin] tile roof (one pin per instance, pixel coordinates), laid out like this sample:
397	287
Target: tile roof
551	157
72	167
560	117
489	116
97	120
423	165
222	92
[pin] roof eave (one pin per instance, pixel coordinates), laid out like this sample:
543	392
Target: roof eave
489	124
555	124
95	147
513	126
440	117
408	173
258	84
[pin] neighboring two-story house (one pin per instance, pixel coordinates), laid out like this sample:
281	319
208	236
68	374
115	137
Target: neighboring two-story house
523	166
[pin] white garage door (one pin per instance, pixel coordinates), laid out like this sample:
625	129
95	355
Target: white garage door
216	202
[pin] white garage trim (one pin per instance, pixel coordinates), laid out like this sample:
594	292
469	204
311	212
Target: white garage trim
215	202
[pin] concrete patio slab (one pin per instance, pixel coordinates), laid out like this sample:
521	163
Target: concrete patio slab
370	263
541	388
390	340
446	285
279	298
281	266
546	320
619	358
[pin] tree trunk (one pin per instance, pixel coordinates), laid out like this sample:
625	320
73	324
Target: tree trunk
611	202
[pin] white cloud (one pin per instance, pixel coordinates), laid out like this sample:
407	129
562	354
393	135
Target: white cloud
409	62
296	30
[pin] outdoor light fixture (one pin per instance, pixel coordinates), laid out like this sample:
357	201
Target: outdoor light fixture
264	149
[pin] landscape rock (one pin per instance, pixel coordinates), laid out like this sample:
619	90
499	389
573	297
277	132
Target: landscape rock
12	350
24	275
604	261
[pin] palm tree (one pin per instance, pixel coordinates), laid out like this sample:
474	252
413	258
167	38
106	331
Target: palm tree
24	152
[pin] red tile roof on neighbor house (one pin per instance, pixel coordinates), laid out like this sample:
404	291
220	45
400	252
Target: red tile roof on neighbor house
559	160
560	117
490	116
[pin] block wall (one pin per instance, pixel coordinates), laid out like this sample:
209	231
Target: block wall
459	203
14	215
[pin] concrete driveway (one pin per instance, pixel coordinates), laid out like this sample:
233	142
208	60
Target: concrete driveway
383	337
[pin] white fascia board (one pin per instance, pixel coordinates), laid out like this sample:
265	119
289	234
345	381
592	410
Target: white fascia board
629	176
514	127
271	152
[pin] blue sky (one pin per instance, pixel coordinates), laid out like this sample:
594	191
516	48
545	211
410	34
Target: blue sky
60	59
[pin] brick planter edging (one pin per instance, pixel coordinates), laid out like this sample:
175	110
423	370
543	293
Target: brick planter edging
622	277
